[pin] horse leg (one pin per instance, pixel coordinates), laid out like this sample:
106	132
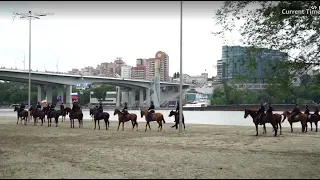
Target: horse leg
280	128
133	124
95	124
264	129
146	126
302	127
18	120
99	124
136	124
291	126
149	125
122	125
316	124
119	125
256	124
106	123
275	126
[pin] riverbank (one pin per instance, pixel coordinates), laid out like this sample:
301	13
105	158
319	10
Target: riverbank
203	151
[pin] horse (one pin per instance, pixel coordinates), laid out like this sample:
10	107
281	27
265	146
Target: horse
53	114
62	113
121	119
302	118
35	113
22	114
256	120
176	119
273	121
91	112
154	117
76	115
105	116
313	118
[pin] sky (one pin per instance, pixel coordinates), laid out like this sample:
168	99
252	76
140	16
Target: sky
87	33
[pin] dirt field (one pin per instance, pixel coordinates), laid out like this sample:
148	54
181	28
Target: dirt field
202	152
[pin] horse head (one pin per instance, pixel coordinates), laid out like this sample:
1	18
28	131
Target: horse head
172	113
116	111
16	108
142	113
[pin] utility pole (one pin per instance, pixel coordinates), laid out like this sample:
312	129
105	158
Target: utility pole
29	16
181	73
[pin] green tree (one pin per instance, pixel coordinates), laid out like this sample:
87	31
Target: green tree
268	26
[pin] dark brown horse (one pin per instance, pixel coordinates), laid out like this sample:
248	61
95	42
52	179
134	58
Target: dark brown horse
75	115
153	117
130	117
313	118
51	113
97	117
255	118
21	114
176	119
91	112
302	118
273	121
37	113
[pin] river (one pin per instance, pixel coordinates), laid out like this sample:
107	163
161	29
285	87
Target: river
191	117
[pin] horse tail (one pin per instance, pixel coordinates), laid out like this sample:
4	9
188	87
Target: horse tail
163	119
284	118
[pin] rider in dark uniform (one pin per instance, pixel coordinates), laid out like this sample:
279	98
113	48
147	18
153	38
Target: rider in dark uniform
296	111
22	107
316	111
61	106
38	105
100	109
75	107
178	107
270	109
307	111
261	112
151	109
125	110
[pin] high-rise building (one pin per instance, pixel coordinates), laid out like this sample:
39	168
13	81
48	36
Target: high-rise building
126	72
138	72
158	66
255	64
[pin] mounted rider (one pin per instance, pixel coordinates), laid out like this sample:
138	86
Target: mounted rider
125	110
38	105
22	107
261	113
75	107
100	110
151	110
296	110
316	110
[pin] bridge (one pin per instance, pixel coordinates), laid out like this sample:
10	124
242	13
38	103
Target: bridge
44	80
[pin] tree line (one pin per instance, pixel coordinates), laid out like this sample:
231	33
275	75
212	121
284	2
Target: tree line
17	93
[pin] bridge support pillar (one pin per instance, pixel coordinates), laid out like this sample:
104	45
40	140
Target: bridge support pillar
155	86
118	90
49	94
132	98
124	97
68	96
148	96
41	93
141	97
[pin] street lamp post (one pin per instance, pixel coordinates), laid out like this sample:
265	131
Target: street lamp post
29	16
181	74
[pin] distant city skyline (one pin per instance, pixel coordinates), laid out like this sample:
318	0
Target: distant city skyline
76	38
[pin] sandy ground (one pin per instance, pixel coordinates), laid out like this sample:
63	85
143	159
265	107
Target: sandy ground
203	151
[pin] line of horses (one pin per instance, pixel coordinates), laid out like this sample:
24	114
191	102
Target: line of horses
276	119
41	114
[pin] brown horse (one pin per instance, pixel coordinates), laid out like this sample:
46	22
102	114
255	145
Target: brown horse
130	117
313	118
256	120
273	121
105	116
21	114
302	118
75	115
37	113
154	117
